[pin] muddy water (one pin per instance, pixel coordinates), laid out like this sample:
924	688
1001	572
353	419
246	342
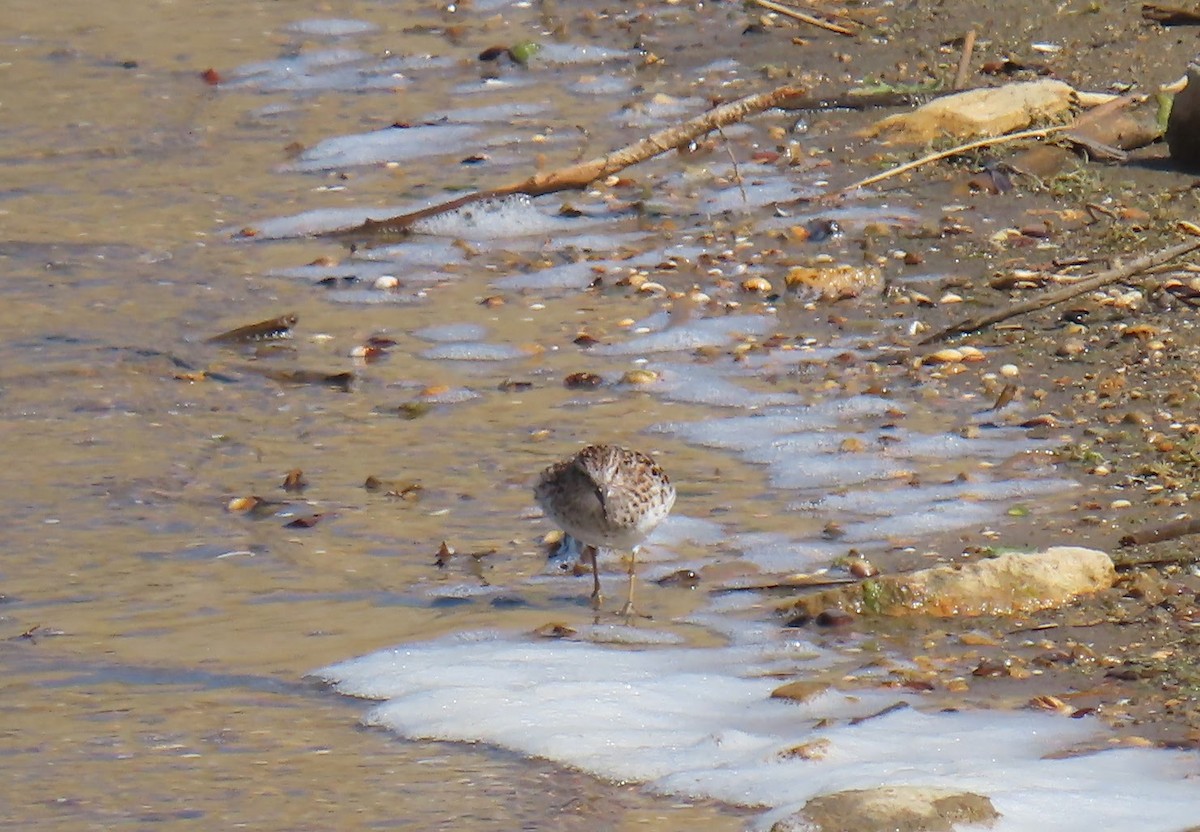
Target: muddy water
161	685
153	672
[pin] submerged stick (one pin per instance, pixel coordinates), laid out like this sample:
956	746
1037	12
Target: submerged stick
1088	284
578	176
964	62
1167	531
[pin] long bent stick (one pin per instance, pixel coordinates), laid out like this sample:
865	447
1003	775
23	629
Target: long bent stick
579	176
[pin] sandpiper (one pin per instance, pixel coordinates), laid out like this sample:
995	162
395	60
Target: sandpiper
609	498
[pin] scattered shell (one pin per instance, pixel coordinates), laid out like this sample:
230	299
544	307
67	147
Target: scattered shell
637	377
815	750
1142	332
835	282
852	445
799	691
951	297
554	629
861	568
366	352
1010	370
580	381
756	284
686	578
950	355
241	505
974	638
1046	702
386	281
1071	348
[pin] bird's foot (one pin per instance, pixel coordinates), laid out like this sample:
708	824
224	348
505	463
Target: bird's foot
629	612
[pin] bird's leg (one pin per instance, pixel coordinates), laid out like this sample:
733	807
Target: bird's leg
596	597
628	610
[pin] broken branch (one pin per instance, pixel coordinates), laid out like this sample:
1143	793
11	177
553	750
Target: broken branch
579	176
1088	284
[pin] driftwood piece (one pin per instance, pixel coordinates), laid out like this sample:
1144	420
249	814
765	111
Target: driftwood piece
1088	284
803	17
579	176
1166	531
1170	15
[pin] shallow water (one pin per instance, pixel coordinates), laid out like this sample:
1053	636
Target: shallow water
157	643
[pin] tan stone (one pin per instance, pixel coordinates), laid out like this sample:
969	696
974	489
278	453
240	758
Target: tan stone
1003	585
890	809
986	112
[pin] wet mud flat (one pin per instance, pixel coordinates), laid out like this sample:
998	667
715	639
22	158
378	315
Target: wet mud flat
655	309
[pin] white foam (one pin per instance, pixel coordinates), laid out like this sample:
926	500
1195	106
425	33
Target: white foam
700	723
392	144
567	276
904	498
374	296
775	552
690	335
493	219
413	252
448	333
742	433
296	64
473	351
570	53
700	384
331	27
600	85
503	113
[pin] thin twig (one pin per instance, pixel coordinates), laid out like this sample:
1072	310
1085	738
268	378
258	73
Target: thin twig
796	14
1088	284
964	63
954	151
737	174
